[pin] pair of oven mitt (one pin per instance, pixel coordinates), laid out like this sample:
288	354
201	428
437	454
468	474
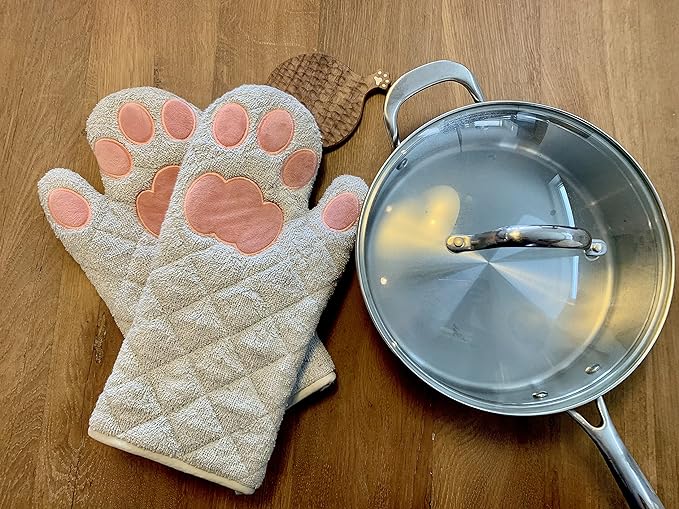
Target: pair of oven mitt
213	266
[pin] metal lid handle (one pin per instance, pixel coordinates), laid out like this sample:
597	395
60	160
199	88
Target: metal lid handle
418	79
529	236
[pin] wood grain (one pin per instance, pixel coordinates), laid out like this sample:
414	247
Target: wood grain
379	438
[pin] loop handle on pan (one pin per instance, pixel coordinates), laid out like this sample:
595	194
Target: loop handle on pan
528	236
418	79
633	484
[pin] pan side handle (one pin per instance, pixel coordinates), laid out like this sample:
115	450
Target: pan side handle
634	485
420	78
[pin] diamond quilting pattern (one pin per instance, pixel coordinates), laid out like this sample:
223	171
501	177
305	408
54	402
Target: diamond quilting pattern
175	385
154	344
127	367
218	457
250	300
196	425
156	434
236	411
274	379
140	264
119	250
216	365
237	384
259	345
132	403
202	318
238	404
179	284
231	268
258	439
292	331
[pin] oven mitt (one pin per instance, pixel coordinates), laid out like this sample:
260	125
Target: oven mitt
243	272
139	137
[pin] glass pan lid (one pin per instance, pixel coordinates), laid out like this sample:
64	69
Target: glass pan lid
504	322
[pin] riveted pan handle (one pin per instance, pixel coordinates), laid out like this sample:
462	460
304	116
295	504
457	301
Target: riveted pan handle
528	236
634	485
418	79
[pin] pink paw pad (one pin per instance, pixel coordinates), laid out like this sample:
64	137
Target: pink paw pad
114	159
342	212
152	204
178	119
275	131
135	123
233	211
230	125
68	208
299	168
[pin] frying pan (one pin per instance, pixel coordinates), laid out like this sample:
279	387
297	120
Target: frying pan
517	259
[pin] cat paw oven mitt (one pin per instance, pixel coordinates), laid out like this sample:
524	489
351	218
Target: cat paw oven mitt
219	289
139	137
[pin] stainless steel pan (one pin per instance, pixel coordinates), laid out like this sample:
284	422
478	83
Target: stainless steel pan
517	259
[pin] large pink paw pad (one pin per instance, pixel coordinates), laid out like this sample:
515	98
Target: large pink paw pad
275	131
114	159
299	168
233	211
135	123
68	208
230	125
152	204
342	212
178	119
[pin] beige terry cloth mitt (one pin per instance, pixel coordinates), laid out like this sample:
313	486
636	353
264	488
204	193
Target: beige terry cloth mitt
243	272
139	137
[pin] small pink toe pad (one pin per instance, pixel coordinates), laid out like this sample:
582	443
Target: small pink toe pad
135	123
68	208
178	119
342	212
275	131
114	159
230	125
299	168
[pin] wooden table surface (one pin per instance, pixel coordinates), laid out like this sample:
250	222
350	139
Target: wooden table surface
379	437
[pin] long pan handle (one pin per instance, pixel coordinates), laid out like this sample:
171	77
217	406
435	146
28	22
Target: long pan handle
634	485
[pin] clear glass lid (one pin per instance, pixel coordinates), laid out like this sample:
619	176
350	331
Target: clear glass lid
495	321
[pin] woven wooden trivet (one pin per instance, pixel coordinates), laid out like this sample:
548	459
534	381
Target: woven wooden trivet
330	90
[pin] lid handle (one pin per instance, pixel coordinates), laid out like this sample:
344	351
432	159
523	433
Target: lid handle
529	236
418	79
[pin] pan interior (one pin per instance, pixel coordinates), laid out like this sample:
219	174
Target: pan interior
512	327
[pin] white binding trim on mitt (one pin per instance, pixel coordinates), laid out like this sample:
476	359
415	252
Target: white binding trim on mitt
318	385
175	463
